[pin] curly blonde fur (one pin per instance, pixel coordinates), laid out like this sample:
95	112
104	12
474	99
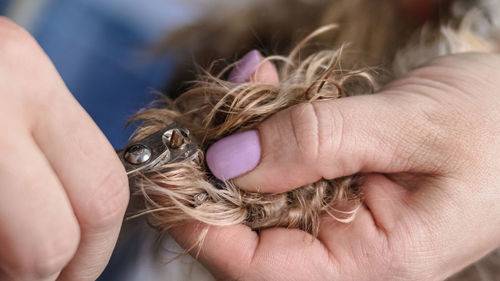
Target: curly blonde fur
214	108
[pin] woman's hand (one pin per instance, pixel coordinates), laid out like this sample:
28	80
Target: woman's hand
429	145
63	191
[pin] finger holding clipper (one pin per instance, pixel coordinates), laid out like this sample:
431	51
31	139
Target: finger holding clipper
64	191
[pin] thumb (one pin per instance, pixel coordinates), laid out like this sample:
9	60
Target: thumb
326	139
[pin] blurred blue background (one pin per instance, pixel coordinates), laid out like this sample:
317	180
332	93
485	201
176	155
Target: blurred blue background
103	51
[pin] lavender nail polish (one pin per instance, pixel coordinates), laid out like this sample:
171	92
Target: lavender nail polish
245	67
235	155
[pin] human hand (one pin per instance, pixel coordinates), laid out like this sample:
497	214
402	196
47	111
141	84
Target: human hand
63	190
429	146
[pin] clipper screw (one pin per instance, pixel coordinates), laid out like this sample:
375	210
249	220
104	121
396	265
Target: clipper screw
137	154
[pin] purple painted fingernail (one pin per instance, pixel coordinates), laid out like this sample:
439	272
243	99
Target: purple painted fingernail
234	155
245	67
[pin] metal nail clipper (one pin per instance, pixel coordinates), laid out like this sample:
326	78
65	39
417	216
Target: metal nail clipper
172	144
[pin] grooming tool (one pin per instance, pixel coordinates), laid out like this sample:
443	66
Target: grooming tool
171	144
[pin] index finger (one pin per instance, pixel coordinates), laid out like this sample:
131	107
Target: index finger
84	161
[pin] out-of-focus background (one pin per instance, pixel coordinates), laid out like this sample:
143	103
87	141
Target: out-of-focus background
103	50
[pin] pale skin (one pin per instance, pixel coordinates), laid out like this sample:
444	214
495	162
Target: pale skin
429	144
63	189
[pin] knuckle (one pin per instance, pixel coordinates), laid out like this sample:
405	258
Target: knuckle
305	125
319	131
49	253
110	201
51	258
331	127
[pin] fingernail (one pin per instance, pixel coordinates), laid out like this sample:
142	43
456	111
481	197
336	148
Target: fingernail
244	68
235	155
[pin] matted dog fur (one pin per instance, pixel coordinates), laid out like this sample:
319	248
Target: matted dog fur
213	108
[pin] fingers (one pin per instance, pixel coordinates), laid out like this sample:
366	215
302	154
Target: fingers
325	139
225	250
75	152
350	244
39	232
302	141
236	252
252	67
92	175
386	201
94	180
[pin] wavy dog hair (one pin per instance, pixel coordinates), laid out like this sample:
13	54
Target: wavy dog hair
214	108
